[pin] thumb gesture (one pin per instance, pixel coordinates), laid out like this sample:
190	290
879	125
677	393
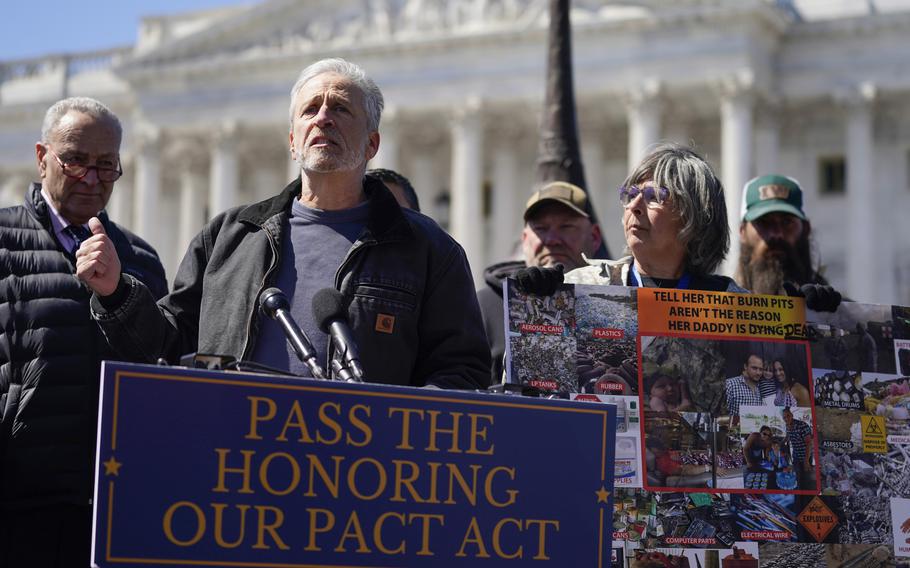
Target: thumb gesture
97	263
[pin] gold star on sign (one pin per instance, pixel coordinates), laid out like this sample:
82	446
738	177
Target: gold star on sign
602	494
112	467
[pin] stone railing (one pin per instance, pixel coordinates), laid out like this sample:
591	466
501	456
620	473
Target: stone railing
68	63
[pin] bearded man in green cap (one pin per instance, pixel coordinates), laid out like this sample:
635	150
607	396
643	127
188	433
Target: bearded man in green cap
775	235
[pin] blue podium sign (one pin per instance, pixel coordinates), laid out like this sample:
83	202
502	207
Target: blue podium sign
203	468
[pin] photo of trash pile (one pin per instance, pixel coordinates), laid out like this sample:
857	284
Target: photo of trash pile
844	473
838	389
635	516
544	361
792	555
606	334
858	556
558	309
700	520
855	355
865	518
761	517
889	396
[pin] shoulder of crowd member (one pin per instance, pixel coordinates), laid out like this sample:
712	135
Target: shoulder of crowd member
12	217
718	283
599	271
494	274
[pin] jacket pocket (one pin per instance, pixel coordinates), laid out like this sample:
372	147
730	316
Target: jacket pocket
394	297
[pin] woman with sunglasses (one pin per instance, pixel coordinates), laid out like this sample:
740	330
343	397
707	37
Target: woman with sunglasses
675	224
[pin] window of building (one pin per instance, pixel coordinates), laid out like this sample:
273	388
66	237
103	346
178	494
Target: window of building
832	175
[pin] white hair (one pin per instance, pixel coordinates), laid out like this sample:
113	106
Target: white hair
85	105
372	96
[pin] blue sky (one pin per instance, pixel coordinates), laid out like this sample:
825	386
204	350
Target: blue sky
31	28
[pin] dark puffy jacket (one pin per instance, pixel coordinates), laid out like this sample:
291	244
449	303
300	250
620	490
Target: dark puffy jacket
412	306
50	357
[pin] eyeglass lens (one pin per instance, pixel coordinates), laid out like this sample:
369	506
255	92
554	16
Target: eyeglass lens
79	171
652	196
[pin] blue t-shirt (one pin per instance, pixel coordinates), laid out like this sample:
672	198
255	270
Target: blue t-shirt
317	243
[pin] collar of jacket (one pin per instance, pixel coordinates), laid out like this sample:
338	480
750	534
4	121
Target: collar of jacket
386	220
38	207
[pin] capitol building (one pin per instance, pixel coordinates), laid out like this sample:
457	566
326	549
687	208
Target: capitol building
815	89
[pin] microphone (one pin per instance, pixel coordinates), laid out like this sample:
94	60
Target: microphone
274	304
331	318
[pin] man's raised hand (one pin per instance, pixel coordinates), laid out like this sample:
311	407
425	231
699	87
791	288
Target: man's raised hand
97	263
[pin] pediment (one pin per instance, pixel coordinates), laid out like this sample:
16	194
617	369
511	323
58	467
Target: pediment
302	26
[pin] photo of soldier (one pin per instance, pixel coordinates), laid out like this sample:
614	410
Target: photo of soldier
719	375
855	338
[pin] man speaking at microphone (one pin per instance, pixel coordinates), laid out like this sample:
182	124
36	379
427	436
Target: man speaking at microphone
407	284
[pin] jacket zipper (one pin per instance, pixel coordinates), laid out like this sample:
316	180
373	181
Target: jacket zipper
265	277
330	349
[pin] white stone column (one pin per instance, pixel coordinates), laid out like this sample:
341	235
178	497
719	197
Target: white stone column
592	156
119	207
147	188
767	140
389	141
506	216
190	163
425	180
643	108
467	221
224	178
868	269
736	134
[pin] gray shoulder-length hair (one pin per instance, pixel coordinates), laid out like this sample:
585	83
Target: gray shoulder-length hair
372	96
86	105
697	195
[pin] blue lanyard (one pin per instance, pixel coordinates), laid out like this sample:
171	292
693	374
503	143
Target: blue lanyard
682	284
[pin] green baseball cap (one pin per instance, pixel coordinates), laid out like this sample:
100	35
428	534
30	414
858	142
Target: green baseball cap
772	193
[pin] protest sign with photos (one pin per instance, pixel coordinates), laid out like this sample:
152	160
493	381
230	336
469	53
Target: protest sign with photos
761	423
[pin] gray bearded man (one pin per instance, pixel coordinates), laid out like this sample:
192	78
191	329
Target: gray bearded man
406	285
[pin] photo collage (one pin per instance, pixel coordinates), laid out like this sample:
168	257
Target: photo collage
786	445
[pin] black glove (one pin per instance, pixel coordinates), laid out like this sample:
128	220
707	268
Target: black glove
819	297
539	280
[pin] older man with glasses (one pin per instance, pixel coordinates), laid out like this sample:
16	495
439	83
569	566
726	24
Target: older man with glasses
50	349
